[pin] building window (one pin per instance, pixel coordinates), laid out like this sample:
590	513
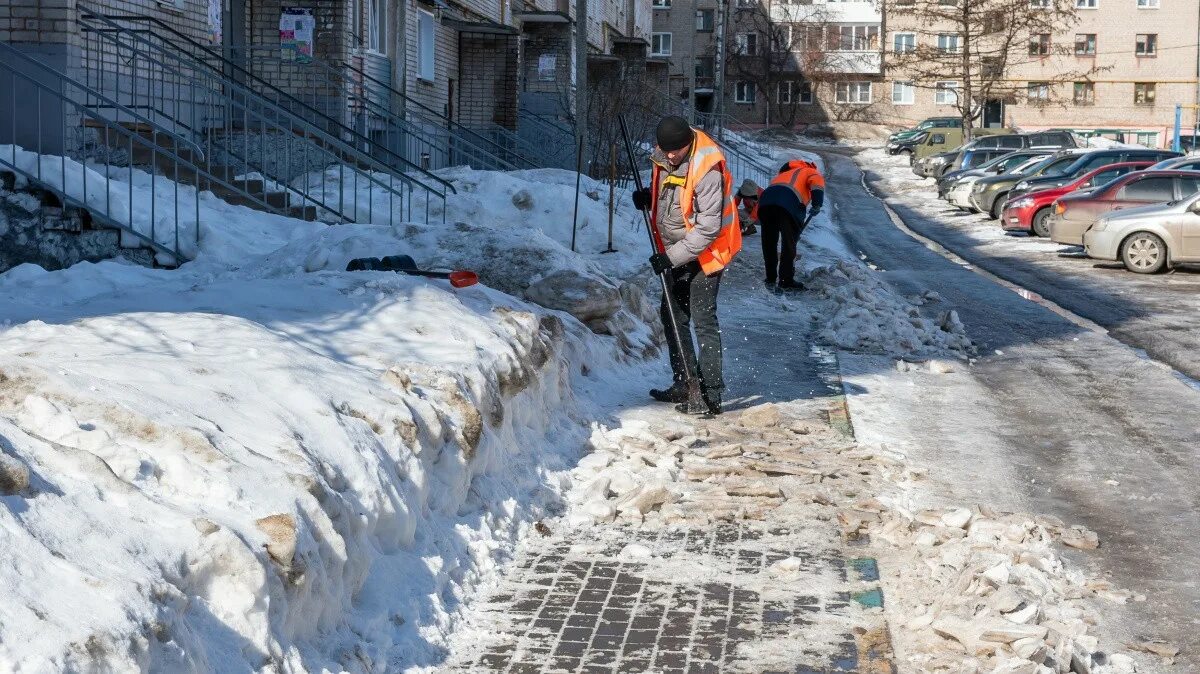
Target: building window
1147	4
1039	45
1085	44
903	93
1085	93
747	43
1039	4
854	93
1147	138
743	92
660	44
945	93
795	91
704	20
1038	92
661	4
857	38
1146	44
1143	93
1087	4
425	46
904	43
705	68
377	26
947	42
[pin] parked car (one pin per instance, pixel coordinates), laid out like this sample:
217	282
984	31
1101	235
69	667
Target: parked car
1032	212
960	194
1189	163
1074	213
989	194
1147	239
1000	164
969	159
899	142
907	145
944	140
1092	160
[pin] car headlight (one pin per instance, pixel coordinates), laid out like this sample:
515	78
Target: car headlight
1099	225
937	160
978	187
1021	203
1023	185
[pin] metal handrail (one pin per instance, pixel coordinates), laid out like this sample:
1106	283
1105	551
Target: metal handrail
241	72
79	199
334	77
408	101
267	114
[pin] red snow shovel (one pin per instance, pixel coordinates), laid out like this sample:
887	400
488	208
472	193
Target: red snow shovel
695	402
404	264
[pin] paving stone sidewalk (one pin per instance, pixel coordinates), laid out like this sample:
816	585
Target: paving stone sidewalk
724	580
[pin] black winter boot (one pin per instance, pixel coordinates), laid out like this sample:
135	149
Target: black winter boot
677	393
712	405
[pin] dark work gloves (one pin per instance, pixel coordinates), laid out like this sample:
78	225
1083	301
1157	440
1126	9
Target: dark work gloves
818	199
660	262
641	199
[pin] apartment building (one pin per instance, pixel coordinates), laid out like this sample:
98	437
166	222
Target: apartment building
1137	60
800	62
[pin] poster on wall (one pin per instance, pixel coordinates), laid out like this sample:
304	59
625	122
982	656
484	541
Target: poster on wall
297	26
214	21
547	64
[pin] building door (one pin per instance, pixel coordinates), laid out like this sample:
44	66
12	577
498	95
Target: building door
993	114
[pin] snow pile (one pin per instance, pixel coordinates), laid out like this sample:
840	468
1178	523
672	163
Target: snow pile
859	312
986	589
260	461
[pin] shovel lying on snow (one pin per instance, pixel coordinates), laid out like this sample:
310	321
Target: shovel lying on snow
406	265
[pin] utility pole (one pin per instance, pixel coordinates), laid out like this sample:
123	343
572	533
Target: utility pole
719	66
581	92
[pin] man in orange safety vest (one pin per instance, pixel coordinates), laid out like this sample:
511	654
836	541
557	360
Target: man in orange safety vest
690	200
792	199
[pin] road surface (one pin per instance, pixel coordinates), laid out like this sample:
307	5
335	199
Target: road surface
1053	417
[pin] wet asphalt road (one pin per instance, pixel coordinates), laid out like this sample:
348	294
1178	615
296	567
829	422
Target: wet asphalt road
1049	412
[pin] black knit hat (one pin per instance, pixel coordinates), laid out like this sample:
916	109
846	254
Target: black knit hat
673	133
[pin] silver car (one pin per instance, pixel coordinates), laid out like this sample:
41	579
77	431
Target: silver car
1148	239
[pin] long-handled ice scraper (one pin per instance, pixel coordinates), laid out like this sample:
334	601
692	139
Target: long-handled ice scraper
404	264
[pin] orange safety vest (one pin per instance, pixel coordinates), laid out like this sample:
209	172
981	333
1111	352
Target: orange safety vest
803	177
706	156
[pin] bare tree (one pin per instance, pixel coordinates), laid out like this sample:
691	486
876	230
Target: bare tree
979	46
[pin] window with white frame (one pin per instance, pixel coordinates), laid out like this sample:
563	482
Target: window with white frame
1146	44
857	38
660	44
947	42
853	93
425	46
1143	93
945	93
1039	4
1087	4
743	92
705	19
1147	4
904	43
747	44
903	93
1147	138
795	91
1038	92
661	4
377	26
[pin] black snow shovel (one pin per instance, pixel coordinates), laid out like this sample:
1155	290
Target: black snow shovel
404	264
695	402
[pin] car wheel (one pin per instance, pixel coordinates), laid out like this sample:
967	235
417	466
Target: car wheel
1041	222
1144	253
998	205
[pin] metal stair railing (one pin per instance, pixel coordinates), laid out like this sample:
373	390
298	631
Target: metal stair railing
58	101
245	132
554	142
461	139
169	39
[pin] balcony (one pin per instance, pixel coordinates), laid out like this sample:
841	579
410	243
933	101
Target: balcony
822	12
866	62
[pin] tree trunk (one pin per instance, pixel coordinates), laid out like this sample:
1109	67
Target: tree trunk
967	95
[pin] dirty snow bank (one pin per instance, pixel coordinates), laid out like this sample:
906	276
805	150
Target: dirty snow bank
261	462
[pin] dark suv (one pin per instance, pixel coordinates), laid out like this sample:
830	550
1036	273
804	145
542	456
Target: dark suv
1086	163
1040	140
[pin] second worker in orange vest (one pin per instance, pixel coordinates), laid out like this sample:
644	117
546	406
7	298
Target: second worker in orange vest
789	202
691	203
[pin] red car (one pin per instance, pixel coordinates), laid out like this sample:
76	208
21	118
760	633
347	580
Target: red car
1032	212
